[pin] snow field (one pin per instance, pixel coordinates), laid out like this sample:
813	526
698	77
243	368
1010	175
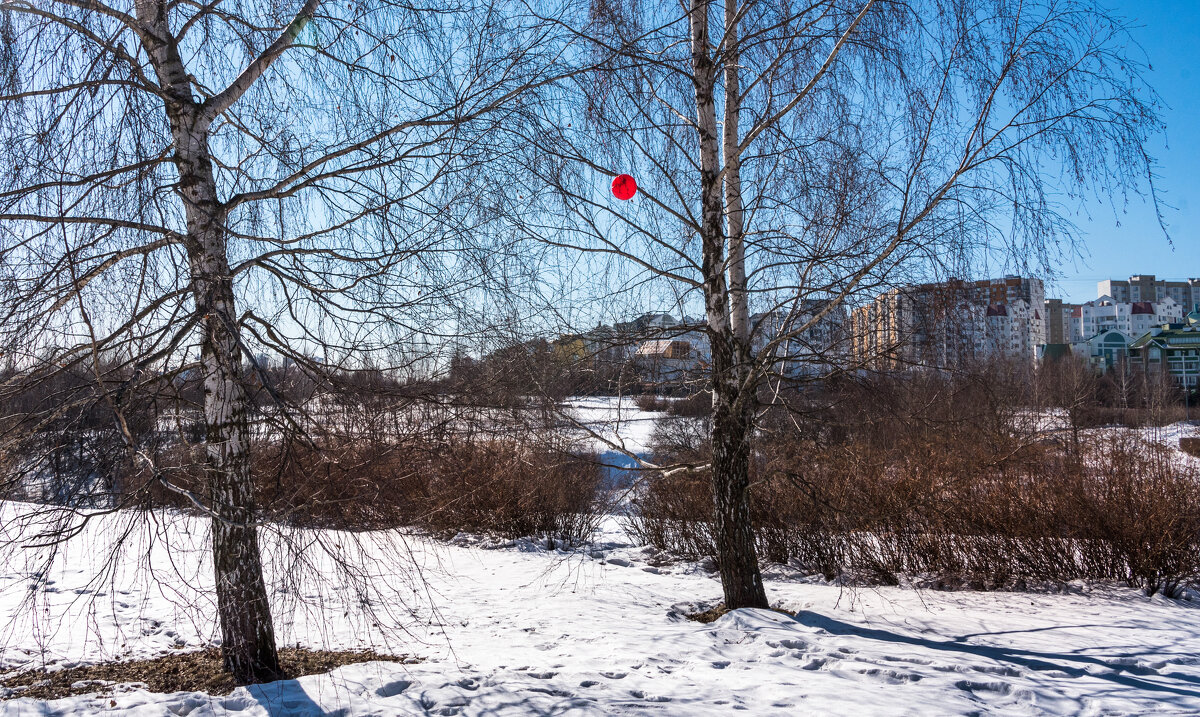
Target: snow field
520	631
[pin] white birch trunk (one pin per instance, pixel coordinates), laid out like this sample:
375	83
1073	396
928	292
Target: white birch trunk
732	421
739	309
248	637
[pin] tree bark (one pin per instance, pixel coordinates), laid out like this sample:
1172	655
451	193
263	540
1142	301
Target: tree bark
732	433
247	632
732	424
735	228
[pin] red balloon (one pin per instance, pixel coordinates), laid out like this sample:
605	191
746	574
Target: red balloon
623	187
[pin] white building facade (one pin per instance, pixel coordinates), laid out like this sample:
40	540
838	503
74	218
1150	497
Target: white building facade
1130	318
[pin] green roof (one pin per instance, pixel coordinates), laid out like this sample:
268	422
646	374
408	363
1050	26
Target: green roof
1172	337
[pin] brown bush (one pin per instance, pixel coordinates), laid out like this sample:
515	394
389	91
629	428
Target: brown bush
652	402
509	490
484	486
692	405
1101	416
950	491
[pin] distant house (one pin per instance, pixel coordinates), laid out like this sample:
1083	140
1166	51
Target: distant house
647	322
570	349
665	349
1173	348
660	361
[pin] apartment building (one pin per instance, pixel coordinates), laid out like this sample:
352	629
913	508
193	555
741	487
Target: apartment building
1072	323
949	323
800	343
1146	287
1060	317
1133	318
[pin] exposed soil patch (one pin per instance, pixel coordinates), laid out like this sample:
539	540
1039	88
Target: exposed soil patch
200	671
715	612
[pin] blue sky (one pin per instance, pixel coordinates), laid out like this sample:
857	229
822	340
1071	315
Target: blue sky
1117	245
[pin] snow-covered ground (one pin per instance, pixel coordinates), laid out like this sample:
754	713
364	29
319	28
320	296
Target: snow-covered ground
521	631
613	423
1167	435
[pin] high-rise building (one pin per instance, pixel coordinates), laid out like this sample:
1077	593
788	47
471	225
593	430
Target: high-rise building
1145	287
949	323
1059	316
807	340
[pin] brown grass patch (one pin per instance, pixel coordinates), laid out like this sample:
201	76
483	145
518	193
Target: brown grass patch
717	611
201	671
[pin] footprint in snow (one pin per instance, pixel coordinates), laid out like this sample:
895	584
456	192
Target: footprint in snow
649	698
392	689
552	692
792	644
1135	666
908	660
1001	670
890	677
1002	688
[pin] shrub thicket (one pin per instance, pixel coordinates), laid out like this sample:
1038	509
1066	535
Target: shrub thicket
934	480
496	487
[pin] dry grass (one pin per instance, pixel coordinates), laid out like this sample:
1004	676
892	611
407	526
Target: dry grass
717	611
201	671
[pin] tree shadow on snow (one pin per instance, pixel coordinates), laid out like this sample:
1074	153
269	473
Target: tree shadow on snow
1119	674
288	697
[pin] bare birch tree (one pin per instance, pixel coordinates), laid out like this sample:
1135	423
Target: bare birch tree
188	183
798	155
